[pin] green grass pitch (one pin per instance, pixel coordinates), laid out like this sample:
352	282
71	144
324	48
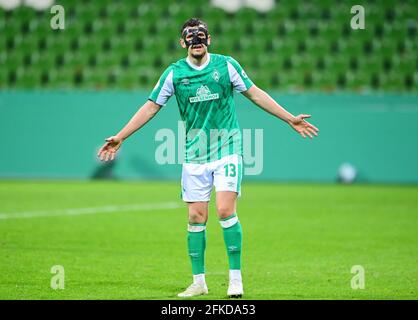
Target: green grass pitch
300	241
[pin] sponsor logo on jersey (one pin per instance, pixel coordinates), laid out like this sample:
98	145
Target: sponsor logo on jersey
203	94
244	75
215	75
185	81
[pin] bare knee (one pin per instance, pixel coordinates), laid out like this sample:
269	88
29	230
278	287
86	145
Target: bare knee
225	203
198	212
225	210
197	217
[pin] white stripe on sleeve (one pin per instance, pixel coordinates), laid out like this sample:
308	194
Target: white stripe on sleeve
235	78
166	91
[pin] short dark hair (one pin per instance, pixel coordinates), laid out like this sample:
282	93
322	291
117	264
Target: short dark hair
193	22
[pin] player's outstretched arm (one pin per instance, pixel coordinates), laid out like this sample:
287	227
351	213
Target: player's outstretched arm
108	151
265	102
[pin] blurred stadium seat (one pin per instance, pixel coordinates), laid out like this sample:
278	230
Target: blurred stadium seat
305	45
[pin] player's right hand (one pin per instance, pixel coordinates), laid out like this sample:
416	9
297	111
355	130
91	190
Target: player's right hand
109	149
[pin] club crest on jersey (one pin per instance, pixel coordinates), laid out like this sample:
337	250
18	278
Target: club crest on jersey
215	75
203	94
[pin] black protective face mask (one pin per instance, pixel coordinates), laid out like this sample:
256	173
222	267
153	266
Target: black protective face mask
195	38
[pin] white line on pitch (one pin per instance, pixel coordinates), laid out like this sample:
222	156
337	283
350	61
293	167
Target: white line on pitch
91	210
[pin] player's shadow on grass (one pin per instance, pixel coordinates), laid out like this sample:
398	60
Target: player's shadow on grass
168	292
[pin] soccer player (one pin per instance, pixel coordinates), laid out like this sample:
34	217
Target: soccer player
203	84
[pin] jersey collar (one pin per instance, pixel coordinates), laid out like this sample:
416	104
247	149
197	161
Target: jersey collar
201	67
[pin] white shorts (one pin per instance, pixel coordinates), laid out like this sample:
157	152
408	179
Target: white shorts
197	180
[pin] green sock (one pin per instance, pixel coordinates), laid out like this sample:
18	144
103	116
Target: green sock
233	240
196	241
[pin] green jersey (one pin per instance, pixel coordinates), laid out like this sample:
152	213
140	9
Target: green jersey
205	98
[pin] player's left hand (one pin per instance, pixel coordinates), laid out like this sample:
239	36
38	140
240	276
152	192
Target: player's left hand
304	128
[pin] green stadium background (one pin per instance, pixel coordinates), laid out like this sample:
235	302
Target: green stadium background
63	91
